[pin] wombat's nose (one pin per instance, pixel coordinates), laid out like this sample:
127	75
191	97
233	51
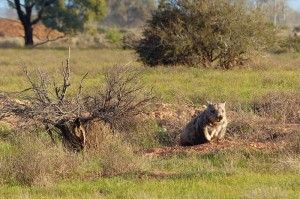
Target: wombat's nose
220	117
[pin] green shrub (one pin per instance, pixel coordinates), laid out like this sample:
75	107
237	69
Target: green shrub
167	138
5	130
293	43
202	32
114	35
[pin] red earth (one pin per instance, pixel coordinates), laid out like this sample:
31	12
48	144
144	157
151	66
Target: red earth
14	28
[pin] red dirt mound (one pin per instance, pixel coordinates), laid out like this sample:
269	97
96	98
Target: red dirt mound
14	28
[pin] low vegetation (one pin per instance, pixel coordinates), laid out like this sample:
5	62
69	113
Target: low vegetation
260	160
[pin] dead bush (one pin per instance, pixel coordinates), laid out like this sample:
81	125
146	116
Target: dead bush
116	101
121	98
281	106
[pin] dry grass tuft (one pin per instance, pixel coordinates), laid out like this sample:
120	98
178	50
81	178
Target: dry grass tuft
282	106
36	161
115	155
266	192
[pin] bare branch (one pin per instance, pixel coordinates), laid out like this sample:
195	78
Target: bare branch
122	97
48	38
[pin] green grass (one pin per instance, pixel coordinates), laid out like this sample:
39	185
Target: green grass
172	84
213	183
199	85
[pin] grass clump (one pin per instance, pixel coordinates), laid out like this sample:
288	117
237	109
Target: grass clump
115	155
5	130
282	106
36	161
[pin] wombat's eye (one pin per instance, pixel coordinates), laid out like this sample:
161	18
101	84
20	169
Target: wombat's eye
212	111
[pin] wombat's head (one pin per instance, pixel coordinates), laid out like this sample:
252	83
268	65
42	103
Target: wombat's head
216	112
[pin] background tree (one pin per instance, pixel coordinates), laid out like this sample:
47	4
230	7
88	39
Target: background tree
66	16
129	13
275	10
206	32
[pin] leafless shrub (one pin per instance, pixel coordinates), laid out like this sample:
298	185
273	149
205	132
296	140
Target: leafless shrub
50	106
119	99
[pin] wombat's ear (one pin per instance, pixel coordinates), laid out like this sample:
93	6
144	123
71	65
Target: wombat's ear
208	102
223	104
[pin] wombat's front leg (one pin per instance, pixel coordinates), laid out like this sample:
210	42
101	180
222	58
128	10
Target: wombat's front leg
222	133
206	134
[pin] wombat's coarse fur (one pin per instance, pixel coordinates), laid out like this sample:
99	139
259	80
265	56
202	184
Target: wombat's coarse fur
209	124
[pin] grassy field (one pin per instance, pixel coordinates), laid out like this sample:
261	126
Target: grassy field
231	173
242	186
174	84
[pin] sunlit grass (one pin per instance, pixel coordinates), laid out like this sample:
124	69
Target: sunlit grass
247	185
199	85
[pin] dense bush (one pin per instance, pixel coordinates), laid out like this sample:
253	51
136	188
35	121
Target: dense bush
292	44
130	40
202	32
